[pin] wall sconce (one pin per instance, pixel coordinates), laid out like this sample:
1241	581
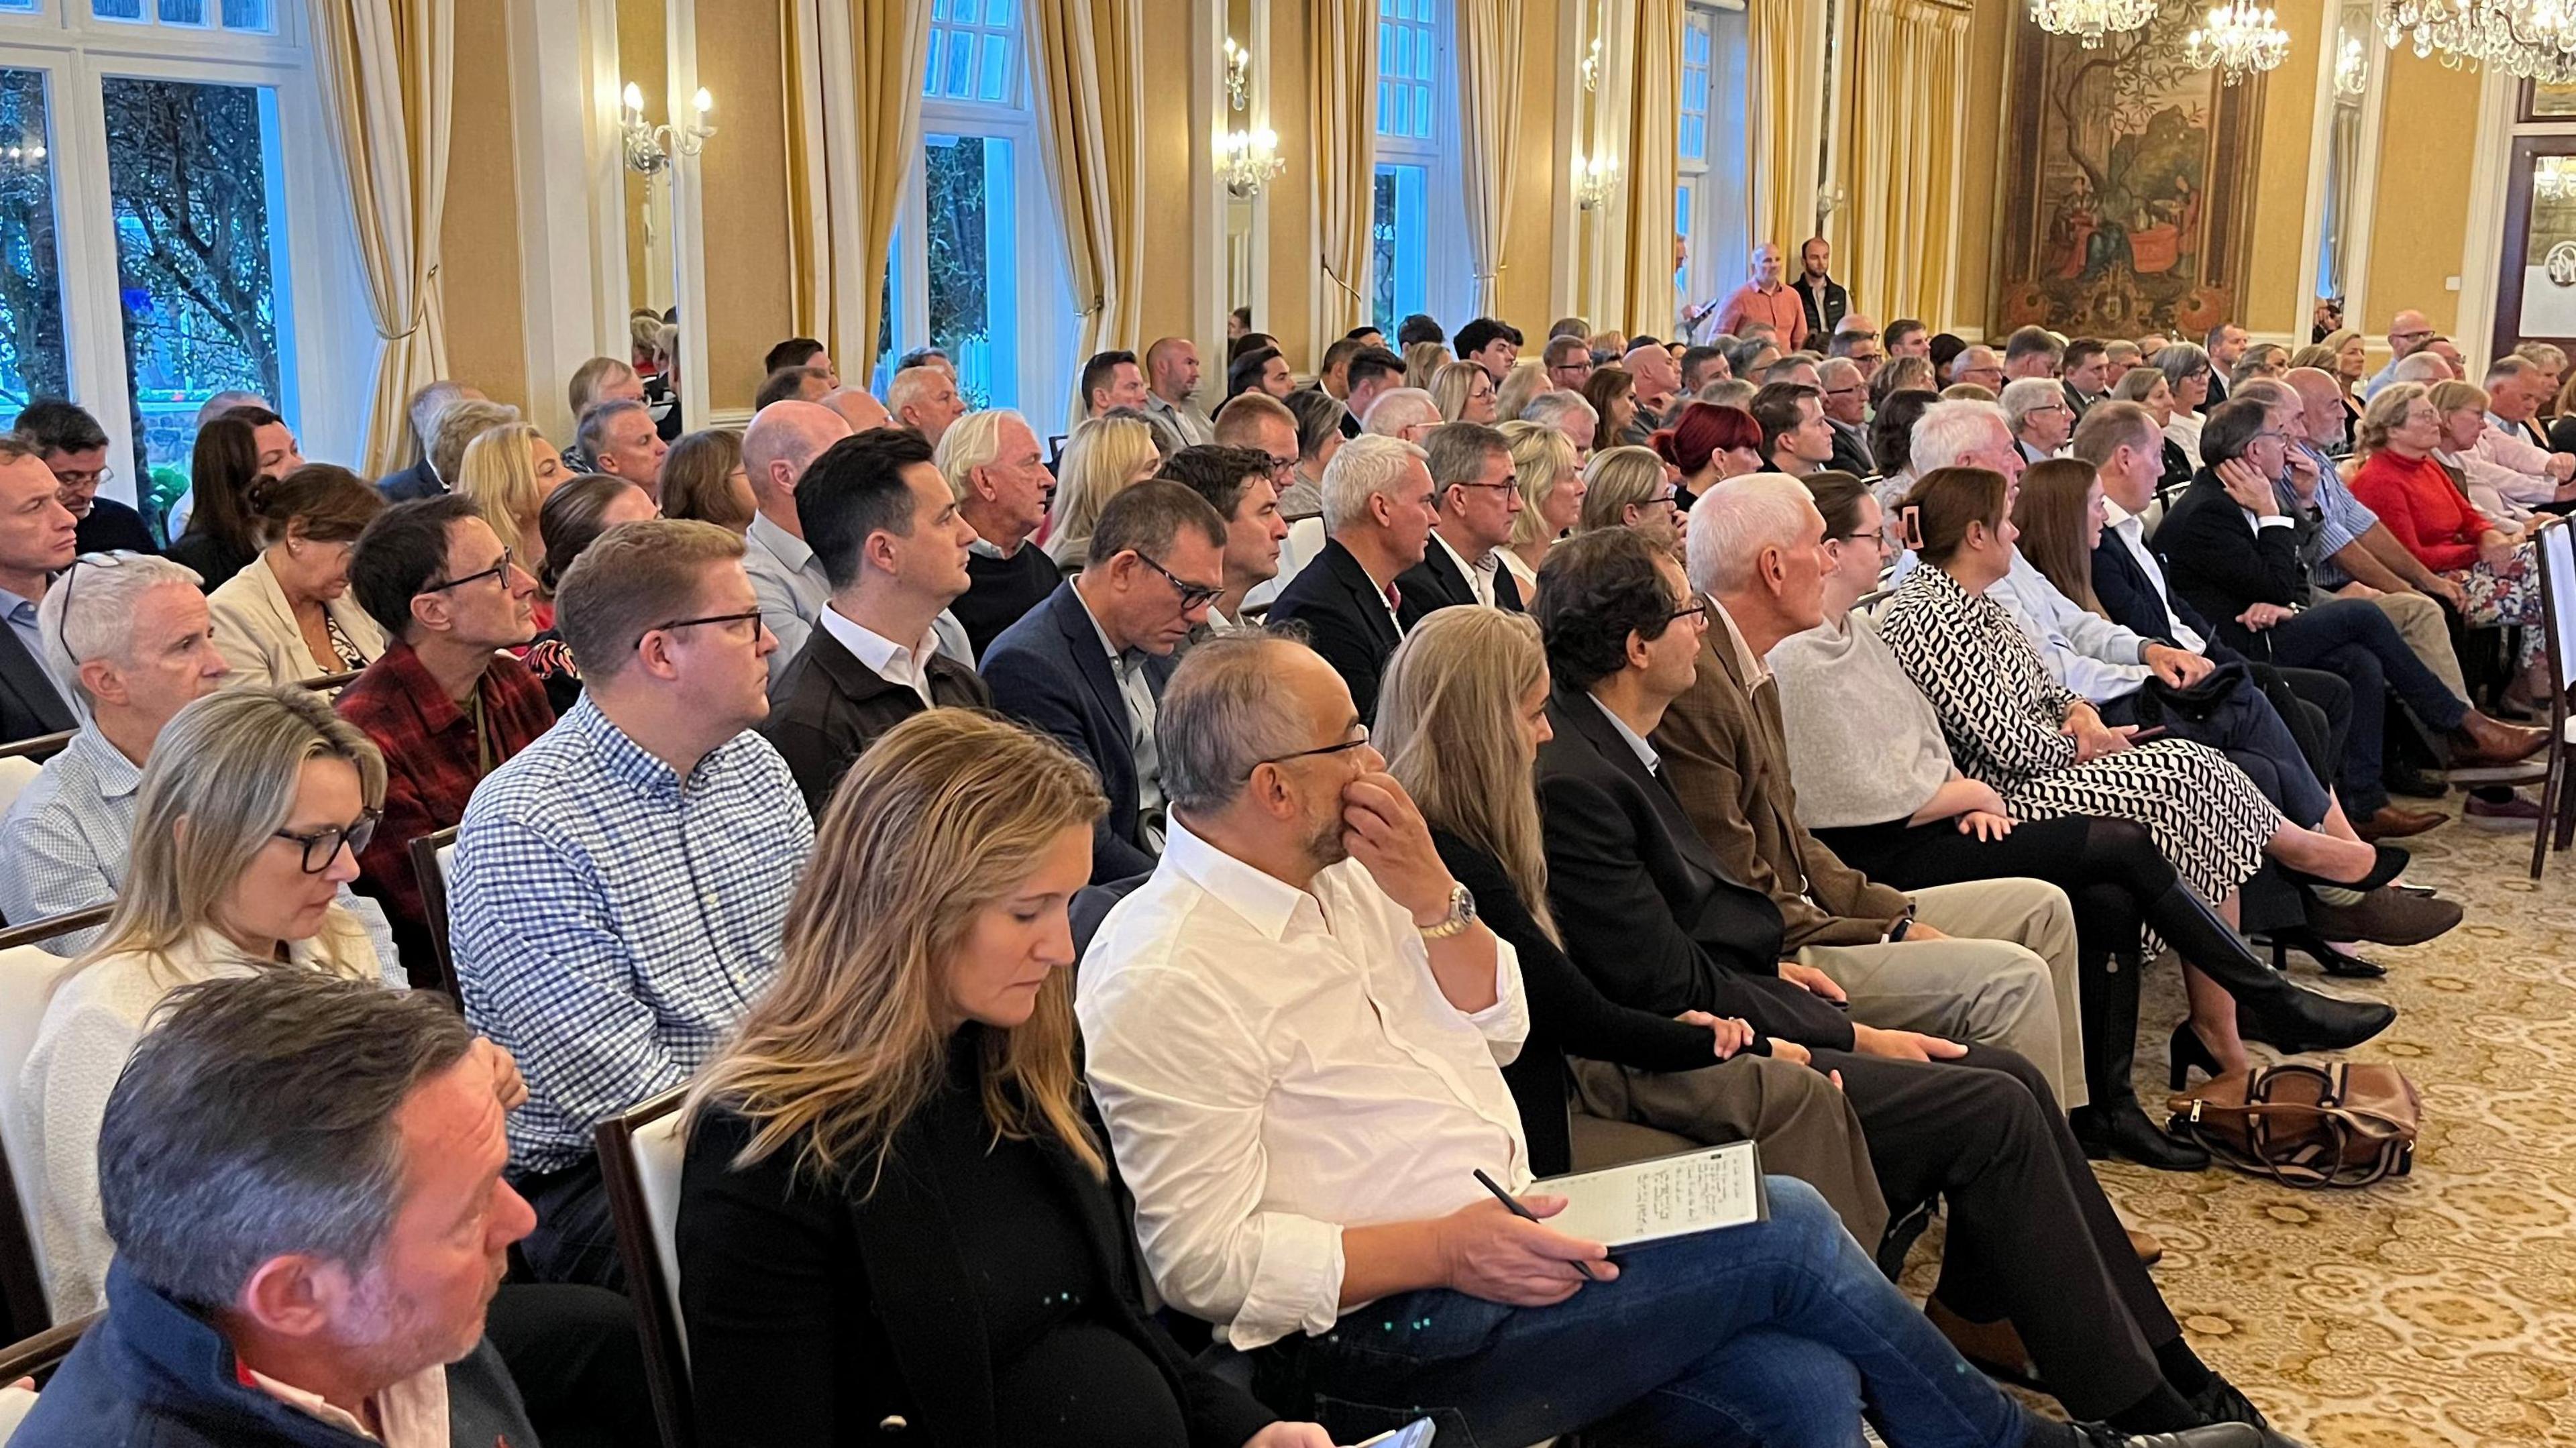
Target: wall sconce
649	148
1593	180
1238	74
1250	159
1591	67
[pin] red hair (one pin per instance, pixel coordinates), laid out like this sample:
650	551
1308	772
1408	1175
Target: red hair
1703	429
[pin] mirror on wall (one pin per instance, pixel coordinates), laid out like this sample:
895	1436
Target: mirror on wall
1241	107
2357	51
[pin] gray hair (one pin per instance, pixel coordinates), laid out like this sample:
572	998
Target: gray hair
1399	408
593	433
101	626
1457	451
1950	430
1224	711
425	406
1367	466
912	385
2424	366
1833	367
258	1120
2270	391
464	420
1729	392
1733	522
2548	356
1550	409
2025	395
2513	365
2177	361
971	442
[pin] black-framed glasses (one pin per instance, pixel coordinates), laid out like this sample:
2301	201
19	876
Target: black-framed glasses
92	478
113	558
1695	609
1344	747
1669	500
323	846
1192	594
500	570
1511	483
752	616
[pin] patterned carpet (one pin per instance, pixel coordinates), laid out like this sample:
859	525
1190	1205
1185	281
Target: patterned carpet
2435	1309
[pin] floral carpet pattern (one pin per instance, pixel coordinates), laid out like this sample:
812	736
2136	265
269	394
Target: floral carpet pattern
2438	1308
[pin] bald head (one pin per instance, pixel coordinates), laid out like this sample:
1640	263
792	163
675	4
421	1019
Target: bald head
1657	375
783	440
2408	331
859	408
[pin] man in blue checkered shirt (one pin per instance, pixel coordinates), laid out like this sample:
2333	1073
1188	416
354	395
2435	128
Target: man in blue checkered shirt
621	884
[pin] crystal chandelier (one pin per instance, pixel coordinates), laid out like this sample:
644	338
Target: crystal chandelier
2530	39
2238	40
2091	20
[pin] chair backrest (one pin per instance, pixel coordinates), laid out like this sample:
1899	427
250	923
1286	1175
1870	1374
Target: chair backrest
432	856
2557	548
37	747
640	1151
16	773
27	977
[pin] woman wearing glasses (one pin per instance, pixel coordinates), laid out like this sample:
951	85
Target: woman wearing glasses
252	811
1628	487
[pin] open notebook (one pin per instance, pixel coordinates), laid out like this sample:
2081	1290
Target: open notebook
1699	1190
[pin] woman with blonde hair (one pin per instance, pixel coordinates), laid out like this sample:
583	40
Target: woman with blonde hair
1551	486
1629	487
250	816
1422	362
1464	392
1526	380
703	478
507	473
894	1203
1105	457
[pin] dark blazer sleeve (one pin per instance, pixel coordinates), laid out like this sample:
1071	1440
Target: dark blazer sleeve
1332	630
2226	563
1626	940
1045	694
804	737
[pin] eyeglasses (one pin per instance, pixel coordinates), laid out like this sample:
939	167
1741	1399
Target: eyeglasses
323	846
752	617
1669	500
1342	748
1696	611
500	570
1280	467
2410	336
114	558
93	477
1510	484
1192	594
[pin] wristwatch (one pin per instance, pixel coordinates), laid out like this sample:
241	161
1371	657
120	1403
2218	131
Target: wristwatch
1462	913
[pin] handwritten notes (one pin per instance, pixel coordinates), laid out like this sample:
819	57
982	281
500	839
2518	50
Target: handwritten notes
1669	1196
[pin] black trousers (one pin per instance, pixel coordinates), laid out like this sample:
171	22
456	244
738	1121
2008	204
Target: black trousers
578	1361
2351	639
2252	734
575	1239
2031	1237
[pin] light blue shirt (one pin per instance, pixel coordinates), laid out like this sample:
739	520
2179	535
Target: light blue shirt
2084	651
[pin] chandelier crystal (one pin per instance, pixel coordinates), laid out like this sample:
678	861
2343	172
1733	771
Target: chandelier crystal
2554	178
2530	39
2091	20
2238	40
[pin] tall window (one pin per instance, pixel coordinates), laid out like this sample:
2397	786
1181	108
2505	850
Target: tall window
977	234
1715	166
160	163
1416	189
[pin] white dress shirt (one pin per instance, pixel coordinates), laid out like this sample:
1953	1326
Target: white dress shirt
1278	1064
1480	579
2131	530
885	658
1137	692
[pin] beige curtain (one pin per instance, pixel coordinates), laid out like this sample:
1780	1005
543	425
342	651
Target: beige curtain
1341	102
1909	71
853	70
1489	122
1089	89
1649	303
387	70
1787	52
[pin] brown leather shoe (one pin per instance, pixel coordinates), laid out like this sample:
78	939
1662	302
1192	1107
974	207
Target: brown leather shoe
2481	741
2384	917
2144	1243
2392	823
1992	1348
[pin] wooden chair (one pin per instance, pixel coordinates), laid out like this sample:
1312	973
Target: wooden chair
2555	546
27	976
639	1161
39	748
40	1353
37	932
432	856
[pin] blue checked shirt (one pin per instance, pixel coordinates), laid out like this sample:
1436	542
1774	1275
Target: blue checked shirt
612	922
65	843
2341	520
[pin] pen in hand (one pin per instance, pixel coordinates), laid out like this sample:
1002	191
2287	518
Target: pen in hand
1512	1205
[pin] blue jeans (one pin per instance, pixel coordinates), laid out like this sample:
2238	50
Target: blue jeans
1774	1333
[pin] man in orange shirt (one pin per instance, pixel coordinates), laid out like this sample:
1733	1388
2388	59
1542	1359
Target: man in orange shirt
1767	301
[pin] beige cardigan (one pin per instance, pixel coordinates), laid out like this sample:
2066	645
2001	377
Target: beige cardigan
256	632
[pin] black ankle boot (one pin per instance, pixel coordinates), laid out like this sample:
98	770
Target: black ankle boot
2269	1008
2115	1125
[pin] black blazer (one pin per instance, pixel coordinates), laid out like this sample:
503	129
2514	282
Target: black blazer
30	703
818	1316
1049	671
2076	401
1851	453
1345	618
2179	466
1647	910
2223	565
420	480
110	526
2131	600
1437	582
827	708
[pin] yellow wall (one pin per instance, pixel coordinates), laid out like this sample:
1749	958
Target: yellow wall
1165	213
741	57
1529	237
2272	305
1292	202
2415	238
479	238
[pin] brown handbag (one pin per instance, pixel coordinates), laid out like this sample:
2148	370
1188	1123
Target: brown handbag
2306	1126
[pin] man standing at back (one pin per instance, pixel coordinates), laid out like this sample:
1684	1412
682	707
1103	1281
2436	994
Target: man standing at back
1171	387
1819	295
782	442
1765	300
620	887
1379	507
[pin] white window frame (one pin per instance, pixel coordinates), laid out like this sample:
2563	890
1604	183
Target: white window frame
1038	356
326	335
1714	215
1448	291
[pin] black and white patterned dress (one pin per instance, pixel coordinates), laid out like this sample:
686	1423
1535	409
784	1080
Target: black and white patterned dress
2001	712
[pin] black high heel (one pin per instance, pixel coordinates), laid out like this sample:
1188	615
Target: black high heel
2338	963
2390	864
2186	1049
2269	1008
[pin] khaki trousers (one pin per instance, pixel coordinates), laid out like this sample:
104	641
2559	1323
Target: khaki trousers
2006	977
2419	621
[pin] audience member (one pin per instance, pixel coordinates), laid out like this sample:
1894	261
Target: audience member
1266	425
620	883
1259	369
1845	389
1322	425
1820	297
1977	366
1891	437
1478	501
1611	392
572	520
1796	439
1766	300
1492	345
1658	378
924	398
1333	374
2032	352
1406	414
1113	382
506	470
2189	375
2146	386
1379	508
2258	361
1568	362
459	424
1906	337
1703	365
800	352
1373	372
859	408
38	538
2038	416
2507	478
620	439
1567	414
1172	384
420	479
2221	349
1626	487
73	448
1419	327
287	616
2408	333
799	384
786	577
1707	444
1089	664
2084	374
219	539
1237	483
703	480
994	468
1857	340
1464	392
1901	374
1545	468
892	538
1104	457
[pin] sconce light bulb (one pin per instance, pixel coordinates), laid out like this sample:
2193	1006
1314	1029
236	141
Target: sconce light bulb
634	98
702	102
1265	139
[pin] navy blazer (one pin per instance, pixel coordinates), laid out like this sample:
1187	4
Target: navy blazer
1345	618
2224	565
1437	582
2130	597
1049	671
418	481
30	703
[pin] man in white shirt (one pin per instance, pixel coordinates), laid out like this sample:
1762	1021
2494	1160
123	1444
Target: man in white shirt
1471	466
1293	1032
2526	476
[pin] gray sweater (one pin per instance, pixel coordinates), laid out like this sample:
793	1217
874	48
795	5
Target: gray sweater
1864	745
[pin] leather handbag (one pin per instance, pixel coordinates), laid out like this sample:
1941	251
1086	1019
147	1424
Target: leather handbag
2344	1125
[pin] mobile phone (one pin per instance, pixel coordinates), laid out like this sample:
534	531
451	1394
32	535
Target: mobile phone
1416	1434
2155	731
